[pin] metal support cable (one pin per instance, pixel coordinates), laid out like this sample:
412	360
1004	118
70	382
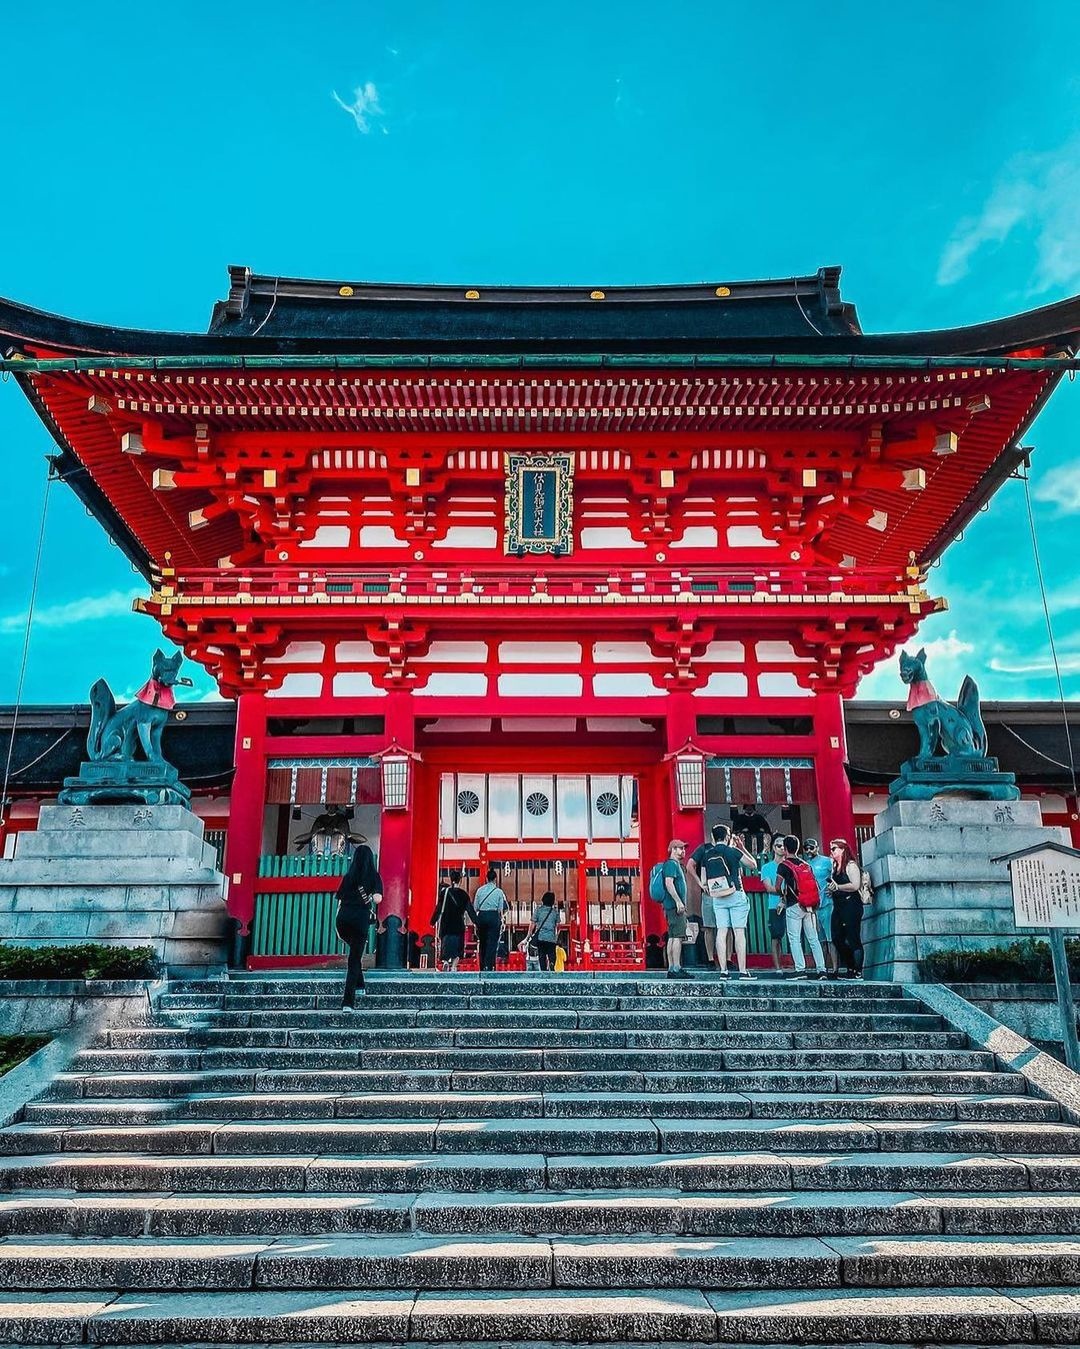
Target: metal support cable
1026	479
26	643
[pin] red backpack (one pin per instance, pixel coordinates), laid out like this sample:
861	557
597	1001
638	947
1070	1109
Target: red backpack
809	894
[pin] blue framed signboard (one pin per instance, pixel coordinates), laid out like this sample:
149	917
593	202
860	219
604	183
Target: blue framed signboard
539	504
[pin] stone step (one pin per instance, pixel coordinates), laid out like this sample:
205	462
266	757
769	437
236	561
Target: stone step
764	1023
401	1105
517	1060
363	1036
703	987
802	1169
552	1136
583	1213
761	994
69	1086
942	1315
377	1262
446	988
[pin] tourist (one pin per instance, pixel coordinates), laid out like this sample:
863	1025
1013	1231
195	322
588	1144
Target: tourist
544	930
777	922
717	869
822	868
448	920
490	904
846	885
674	902
799	902
756	829
359	896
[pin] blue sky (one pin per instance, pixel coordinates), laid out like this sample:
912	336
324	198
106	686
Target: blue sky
931	149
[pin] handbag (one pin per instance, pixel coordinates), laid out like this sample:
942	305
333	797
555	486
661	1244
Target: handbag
719	887
692	931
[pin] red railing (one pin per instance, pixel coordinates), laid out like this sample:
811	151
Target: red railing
380	586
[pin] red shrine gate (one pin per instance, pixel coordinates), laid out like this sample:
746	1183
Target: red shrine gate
605	561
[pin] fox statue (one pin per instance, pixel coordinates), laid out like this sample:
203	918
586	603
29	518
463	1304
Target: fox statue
959	730
116	732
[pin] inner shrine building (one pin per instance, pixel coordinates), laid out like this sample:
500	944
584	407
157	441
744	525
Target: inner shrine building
532	577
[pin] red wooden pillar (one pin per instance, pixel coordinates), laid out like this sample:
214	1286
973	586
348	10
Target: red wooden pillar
664	820
395	840
246	809
830	773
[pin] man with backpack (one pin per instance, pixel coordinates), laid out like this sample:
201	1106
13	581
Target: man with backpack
717	869
800	900
667	885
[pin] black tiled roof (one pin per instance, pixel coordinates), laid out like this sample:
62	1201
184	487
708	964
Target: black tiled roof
281	316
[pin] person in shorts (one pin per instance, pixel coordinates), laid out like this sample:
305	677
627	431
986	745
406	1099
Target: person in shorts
722	862
777	922
675	907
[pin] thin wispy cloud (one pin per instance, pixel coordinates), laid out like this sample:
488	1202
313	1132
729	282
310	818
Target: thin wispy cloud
87	610
1068	663
1037	195
1060	487
365	109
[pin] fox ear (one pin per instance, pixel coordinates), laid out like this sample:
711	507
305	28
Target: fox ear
922	654
159	655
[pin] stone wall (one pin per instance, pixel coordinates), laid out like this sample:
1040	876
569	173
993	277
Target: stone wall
935	885
127	875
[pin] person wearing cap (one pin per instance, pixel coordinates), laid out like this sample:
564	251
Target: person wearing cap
674	875
822	869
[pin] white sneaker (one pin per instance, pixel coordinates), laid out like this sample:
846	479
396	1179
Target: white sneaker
350	1010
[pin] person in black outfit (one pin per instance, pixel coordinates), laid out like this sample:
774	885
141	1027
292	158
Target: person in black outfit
448	920
845	887
359	896
755	828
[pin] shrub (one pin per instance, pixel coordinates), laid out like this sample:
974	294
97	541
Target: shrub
15	1048
1026	962
89	960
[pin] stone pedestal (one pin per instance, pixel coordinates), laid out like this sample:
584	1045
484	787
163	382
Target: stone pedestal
935	887
126	875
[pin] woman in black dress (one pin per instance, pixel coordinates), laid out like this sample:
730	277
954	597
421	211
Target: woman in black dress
847	908
359	896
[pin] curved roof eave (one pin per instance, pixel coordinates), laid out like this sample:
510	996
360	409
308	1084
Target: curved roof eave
690	325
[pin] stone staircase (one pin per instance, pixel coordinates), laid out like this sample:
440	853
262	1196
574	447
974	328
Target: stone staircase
526	1159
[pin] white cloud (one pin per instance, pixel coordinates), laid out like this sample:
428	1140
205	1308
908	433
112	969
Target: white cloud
1069	663
87	610
942	648
1061	488
364	107
1039	193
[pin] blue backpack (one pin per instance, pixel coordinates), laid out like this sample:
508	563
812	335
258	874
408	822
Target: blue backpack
657	888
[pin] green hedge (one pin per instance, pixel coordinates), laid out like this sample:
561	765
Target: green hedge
88	960
1024	962
15	1048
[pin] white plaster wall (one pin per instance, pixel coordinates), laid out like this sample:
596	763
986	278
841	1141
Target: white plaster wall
305	684
781	684
449	685
539	653
626	686
540	685
723	684
299	653
356	684
328	536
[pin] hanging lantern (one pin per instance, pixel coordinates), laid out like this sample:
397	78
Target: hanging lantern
690	779
394	765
